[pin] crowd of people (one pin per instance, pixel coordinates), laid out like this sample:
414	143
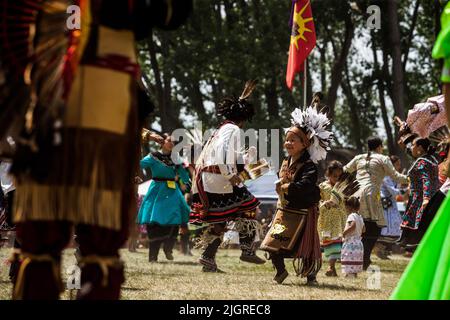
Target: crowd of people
310	218
84	182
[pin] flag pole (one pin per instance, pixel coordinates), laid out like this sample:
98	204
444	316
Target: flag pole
304	82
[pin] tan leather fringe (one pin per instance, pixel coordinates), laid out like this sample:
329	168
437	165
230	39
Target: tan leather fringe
77	204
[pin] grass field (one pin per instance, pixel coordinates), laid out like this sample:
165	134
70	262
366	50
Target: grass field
183	279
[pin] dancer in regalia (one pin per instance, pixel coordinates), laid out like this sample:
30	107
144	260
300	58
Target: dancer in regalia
76	150
371	168
293	232
424	183
332	218
219	194
164	208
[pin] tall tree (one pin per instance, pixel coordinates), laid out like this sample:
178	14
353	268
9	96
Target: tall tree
398	84
368	74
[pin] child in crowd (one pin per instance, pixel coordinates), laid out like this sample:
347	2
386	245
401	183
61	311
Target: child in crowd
332	218
352	248
293	232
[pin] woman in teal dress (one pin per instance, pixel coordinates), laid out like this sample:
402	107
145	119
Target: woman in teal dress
164	208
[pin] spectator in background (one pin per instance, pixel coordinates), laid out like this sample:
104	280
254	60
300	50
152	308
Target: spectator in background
134	232
390	193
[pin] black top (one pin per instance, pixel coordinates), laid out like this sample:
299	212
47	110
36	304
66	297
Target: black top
303	191
164	158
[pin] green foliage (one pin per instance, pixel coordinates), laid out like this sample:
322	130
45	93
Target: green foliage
226	42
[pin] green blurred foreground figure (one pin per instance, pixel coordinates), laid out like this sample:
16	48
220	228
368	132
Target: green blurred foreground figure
427	276
441	48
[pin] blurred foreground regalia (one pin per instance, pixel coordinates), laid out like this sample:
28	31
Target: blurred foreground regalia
69	120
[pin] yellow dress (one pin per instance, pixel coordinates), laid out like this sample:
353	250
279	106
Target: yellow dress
331	222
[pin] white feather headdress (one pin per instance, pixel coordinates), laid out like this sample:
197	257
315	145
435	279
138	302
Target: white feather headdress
315	124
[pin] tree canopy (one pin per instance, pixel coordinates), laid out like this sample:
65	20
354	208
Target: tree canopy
366	75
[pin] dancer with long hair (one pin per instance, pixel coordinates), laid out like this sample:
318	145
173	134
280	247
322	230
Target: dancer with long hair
424	183
371	168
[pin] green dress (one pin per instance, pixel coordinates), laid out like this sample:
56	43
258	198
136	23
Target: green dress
427	276
441	48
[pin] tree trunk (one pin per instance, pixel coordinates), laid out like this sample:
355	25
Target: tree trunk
338	67
309	92
287	94
386	81
323	73
229	15
437	28
197	101
272	99
411	33
392	146
158	81
385	71
217	15
172	120
353	104
169	116
398	90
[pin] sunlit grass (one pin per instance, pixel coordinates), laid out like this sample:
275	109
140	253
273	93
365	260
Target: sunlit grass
183	279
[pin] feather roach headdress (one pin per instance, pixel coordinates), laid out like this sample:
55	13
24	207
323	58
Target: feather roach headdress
314	123
237	109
